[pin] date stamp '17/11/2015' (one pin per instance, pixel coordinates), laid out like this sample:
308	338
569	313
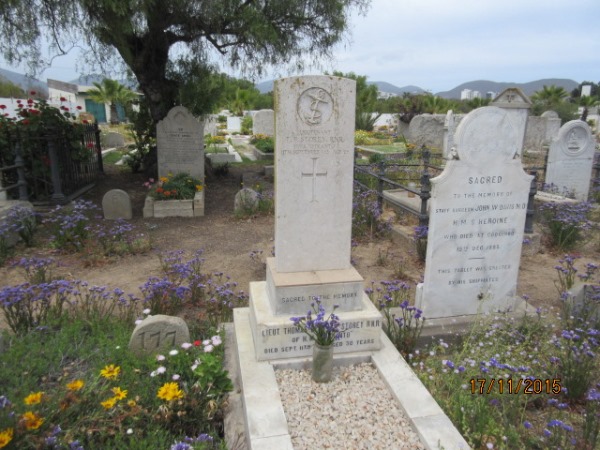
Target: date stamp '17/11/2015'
510	386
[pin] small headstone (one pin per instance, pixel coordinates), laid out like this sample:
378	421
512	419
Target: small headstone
113	139
180	144
571	158
246	201
478	209
158	333
263	122
234	124
116	204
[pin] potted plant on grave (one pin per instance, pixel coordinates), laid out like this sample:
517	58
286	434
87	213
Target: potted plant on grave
323	331
179	195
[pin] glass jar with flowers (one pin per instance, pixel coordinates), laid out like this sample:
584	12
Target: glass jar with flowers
180	195
323	331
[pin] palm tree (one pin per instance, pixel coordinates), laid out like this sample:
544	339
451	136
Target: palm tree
550	95
113	93
587	102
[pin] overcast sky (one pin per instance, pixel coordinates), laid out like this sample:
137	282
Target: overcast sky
439	44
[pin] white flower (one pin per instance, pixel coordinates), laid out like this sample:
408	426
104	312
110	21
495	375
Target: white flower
186	345
129	431
160	357
194	367
153	373
146	311
208	348
175	377
161	370
206	342
216	340
137	322
173	352
118	347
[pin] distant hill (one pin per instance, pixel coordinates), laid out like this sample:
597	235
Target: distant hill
389	88
24	82
528	89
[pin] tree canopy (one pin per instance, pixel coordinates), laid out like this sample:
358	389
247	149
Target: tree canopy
166	43
113	93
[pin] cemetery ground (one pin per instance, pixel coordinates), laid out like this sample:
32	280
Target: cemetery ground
238	247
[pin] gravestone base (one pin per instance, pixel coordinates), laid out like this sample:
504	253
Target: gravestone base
276	337
175	208
291	293
434	309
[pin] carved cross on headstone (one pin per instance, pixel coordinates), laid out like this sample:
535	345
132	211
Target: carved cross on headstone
314	176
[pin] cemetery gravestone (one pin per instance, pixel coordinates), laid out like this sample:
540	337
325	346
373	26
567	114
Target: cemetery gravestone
478	208
234	124
113	139
517	105
180	144
245	201
116	204
158	333
448	133
314	136
571	158
263	122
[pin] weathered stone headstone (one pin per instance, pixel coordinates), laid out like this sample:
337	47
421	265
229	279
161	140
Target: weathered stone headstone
571	158
517	105
449	129
552	126
263	122
314	138
116	204
234	124
478	209
245	201
210	125
113	139
158	333
180	144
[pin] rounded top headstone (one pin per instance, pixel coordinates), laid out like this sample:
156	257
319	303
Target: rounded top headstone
487	135
575	138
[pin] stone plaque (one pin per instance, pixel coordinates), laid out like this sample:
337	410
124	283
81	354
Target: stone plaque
263	122
234	124
478	209
116	204
314	151
180	143
570	160
159	333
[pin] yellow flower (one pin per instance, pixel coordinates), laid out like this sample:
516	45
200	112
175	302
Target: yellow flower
75	385
170	391
119	393
111	371
5	437
198	187
131	403
107	404
34	398
32	420
163	179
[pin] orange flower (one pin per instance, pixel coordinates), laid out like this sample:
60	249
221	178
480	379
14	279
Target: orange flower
5	437
32	420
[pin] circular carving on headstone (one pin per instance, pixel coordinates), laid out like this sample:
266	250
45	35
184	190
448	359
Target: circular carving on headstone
487	134
574	137
315	106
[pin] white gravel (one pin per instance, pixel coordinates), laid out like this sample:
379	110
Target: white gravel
354	411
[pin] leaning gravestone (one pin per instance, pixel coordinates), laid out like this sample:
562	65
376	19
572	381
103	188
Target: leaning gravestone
263	122
180	144
116	204
571	158
158	333
478	208
314	136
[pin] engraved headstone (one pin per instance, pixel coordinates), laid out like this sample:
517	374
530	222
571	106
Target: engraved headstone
478	208
517	105
314	150
116	204
180	144
570	159
263	122
158	333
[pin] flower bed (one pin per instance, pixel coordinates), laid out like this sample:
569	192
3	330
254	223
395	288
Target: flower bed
175	208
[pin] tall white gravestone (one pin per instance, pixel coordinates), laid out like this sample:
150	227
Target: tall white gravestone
314	138
571	159
180	144
478	208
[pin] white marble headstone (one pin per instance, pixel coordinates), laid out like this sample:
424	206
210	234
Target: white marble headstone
234	124
571	158
180	144
314	151
478	209
263	122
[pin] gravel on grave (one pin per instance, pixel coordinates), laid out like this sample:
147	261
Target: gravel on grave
354	411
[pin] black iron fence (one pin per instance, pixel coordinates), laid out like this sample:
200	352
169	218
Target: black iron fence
51	168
